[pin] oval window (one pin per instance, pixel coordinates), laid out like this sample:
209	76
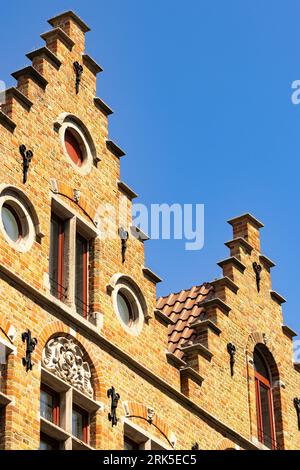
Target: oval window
125	310
11	222
74	145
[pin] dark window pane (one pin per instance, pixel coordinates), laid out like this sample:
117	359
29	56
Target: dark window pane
78	424
46	443
47	406
81	275
130	445
11	223
260	365
56	258
54	251
266	415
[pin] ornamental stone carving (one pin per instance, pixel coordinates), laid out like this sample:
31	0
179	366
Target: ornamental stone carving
64	358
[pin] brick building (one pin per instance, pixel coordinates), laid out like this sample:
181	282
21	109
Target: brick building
209	367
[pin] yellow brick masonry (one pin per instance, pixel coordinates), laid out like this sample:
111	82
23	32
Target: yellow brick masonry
220	413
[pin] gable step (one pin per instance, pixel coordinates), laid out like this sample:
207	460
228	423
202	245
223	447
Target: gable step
91	64
100	104
7	122
14	93
197	348
45	52
30	73
114	149
57	34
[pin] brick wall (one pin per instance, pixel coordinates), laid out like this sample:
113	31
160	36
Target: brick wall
217	414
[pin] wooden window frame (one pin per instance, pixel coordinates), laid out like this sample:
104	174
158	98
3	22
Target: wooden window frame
265	383
86	423
73	147
61	253
56	400
85	273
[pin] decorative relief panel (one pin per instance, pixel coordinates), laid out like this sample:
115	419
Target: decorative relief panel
64	358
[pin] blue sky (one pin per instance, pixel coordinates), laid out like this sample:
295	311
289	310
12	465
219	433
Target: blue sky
202	97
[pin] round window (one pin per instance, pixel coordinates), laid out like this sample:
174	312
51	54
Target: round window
129	304
125	310
74	146
16	223
11	223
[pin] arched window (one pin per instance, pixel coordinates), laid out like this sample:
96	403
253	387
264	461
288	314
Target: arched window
264	401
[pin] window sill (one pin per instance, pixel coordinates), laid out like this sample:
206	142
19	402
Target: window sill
53	431
77	444
259	444
85	402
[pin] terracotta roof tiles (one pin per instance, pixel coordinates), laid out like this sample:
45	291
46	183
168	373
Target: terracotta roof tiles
184	308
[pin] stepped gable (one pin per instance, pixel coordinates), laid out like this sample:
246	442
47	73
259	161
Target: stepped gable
184	308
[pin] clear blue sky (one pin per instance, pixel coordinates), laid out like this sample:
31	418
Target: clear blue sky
201	93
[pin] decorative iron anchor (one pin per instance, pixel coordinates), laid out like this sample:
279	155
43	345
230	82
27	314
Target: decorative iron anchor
297	406
257	269
30	347
27	157
78	72
231	350
115	397
124	235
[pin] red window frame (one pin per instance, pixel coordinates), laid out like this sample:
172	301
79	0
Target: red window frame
55	396
60	257
84	299
73	148
85	423
261	381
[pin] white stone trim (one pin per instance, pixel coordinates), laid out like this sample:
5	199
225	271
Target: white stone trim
125	284
145	439
70	121
25	243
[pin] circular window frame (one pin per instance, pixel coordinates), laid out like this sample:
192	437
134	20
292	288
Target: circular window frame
27	238
72	123
132	297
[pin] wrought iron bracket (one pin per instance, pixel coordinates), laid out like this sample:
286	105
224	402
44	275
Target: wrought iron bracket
115	397
30	347
297	406
231	351
78	73
257	269
124	235
27	157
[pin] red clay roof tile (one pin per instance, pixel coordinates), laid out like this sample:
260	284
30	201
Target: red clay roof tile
184	309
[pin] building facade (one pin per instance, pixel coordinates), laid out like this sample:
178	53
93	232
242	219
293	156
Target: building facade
89	358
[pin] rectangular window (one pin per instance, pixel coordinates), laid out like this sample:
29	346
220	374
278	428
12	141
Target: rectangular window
56	268
80	421
129	444
46	443
49	405
81	275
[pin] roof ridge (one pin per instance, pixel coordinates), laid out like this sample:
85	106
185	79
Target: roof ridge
204	284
